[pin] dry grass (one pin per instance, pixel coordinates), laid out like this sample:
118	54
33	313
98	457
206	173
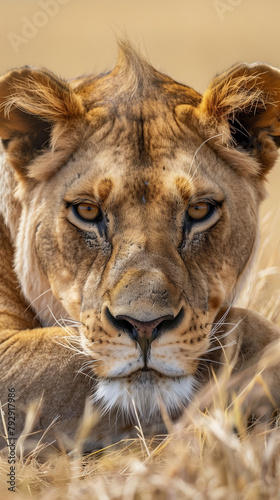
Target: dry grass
206	456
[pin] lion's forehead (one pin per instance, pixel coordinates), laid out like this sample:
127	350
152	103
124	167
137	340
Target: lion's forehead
147	130
118	179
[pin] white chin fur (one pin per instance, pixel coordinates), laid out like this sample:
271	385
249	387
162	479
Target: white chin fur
144	395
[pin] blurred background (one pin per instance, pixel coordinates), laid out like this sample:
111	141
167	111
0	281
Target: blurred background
191	40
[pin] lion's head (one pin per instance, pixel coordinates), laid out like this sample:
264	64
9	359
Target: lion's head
137	212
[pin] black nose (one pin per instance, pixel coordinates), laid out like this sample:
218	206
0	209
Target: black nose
144	332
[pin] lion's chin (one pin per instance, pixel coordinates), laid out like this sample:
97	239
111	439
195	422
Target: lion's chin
143	394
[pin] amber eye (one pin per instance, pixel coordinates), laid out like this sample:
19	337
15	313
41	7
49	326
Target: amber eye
200	211
87	211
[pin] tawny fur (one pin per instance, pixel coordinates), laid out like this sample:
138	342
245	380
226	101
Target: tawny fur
77	298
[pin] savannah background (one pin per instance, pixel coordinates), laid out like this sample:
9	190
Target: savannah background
191	40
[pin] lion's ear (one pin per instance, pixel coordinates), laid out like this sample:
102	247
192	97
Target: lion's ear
244	105
36	110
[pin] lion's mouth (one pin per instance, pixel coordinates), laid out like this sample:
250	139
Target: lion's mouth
146	374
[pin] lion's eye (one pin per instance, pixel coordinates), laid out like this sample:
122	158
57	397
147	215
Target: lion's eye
87	211
200	211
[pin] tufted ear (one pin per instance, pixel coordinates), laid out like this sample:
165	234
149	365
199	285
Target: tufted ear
243	104
37	114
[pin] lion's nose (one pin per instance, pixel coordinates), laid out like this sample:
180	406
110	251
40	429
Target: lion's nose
143	332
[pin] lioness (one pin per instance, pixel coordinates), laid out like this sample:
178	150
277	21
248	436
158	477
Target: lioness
129	218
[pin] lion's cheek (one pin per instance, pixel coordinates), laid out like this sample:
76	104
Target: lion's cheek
179	354
220	289
67	292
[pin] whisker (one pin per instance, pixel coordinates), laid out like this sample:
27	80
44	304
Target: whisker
58	322
193	174
221	334
88	363
75	350
221	320
209	360
203	367
201	145
229	331
71	322
216	348
37	298
88	375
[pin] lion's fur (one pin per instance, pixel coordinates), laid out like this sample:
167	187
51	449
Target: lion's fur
144	148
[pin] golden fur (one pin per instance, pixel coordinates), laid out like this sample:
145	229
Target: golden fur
143	293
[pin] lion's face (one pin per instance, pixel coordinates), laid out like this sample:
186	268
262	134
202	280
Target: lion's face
141	236
144	256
